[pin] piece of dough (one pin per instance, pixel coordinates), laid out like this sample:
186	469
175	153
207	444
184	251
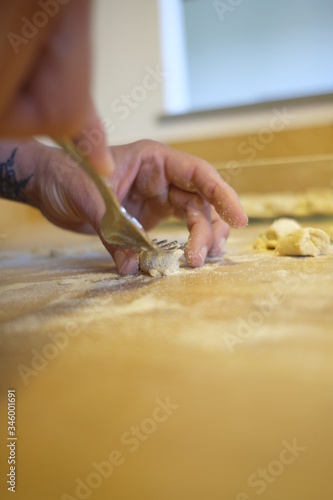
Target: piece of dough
306	241
271	236
161	263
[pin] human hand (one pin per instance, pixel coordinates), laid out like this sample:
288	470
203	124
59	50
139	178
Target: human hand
45	72
152	181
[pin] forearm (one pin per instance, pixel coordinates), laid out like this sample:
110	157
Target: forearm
17	170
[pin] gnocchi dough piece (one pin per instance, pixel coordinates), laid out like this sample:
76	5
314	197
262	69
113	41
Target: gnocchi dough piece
160	263
279	229
306	241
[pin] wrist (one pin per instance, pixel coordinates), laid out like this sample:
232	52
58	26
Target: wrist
34	156
17	171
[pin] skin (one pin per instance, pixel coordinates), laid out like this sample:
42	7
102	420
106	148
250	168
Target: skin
45	81
45	90
151	180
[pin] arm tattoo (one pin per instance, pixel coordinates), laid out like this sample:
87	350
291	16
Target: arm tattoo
10	187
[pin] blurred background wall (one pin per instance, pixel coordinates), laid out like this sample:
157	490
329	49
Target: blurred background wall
128	85
127	42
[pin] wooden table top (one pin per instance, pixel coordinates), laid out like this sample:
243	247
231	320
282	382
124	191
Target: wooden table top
214	383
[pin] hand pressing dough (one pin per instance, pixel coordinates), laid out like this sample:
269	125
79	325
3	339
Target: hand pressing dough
279	229
306	241
160	263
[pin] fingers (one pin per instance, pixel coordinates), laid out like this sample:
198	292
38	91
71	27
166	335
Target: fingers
47	81
208	233
201	177
70	199
82	209
127	261
206	228
221	231
17	58
65	193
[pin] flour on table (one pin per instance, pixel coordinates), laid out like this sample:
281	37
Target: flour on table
160	263
306	241
275	232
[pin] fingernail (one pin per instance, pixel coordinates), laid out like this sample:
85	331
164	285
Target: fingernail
120	260
216	250
222	243
203	253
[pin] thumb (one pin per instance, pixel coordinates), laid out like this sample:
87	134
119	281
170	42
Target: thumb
127	261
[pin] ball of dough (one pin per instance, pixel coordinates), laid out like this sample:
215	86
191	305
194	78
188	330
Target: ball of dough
160	263
281	228
271	236
306	241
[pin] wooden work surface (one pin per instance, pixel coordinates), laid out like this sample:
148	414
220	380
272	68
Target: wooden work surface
215	383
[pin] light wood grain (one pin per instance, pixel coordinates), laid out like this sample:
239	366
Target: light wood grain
244	346
290	142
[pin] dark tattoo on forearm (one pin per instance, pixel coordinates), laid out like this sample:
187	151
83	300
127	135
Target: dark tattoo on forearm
10	187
